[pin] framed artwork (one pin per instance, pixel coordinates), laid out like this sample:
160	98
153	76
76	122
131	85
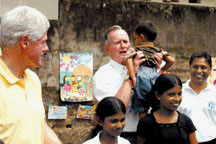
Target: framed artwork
76	73
85	112
57	112
212	76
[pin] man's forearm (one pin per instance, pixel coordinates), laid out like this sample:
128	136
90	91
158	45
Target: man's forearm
125	92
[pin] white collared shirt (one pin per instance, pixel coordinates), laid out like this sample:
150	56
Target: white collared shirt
107	81
201	108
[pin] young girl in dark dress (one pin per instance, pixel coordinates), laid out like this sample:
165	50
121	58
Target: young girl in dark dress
165	125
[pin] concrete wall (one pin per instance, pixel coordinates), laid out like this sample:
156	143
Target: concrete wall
51	12
182	29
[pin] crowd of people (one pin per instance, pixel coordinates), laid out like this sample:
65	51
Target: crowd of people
175	113
138	102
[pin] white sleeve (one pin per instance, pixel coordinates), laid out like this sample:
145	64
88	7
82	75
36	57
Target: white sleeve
106	82
103	87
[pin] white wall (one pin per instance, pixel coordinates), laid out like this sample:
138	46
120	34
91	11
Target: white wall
48	7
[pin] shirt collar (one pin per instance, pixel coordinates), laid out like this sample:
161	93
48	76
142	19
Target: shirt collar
146	44
187	86
118	67
7	74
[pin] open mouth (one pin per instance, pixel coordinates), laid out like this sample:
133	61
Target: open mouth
123	52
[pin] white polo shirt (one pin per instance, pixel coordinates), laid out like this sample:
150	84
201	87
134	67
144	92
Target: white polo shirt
106	82
201	108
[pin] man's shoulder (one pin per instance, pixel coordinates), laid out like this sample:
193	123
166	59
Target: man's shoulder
211	86
31	73
103	69
186	84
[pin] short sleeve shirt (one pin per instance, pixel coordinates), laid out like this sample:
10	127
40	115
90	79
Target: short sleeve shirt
175	133
22	115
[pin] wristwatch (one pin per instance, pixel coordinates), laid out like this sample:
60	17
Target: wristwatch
127	77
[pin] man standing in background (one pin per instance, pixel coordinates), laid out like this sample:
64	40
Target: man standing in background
199	98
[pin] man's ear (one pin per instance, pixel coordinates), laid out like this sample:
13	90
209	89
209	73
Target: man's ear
106	47
24	41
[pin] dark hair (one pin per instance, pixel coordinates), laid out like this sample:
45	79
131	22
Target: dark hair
148	29
163	83
108	106
201	55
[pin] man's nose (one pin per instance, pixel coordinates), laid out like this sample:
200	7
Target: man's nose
124	45
199	69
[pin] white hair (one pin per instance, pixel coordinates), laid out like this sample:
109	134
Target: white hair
22	20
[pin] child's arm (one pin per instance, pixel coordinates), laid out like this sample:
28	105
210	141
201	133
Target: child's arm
169	62
131	70
130	65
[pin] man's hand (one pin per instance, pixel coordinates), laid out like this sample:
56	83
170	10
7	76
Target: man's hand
138	60
158	57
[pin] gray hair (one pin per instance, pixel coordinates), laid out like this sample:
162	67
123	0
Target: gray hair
22	20
110	29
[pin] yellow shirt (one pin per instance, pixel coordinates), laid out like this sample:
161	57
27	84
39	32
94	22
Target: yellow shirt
22	115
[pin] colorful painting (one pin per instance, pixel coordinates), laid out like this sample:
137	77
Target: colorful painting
57	112
212	77
85	112
76	73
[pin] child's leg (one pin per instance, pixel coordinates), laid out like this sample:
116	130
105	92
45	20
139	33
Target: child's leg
140	102
145	79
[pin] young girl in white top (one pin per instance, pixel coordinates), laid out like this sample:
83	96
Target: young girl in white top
110	118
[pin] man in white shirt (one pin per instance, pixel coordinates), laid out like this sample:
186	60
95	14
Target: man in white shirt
199	98
112	78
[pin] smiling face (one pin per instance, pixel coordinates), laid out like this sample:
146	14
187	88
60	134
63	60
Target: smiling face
170	99
118	44
113	125
199	70
35	50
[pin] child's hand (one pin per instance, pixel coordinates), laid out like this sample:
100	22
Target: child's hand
165	53
130	53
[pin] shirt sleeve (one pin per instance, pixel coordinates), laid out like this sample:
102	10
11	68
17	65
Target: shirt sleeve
104	85
143	127
190	128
